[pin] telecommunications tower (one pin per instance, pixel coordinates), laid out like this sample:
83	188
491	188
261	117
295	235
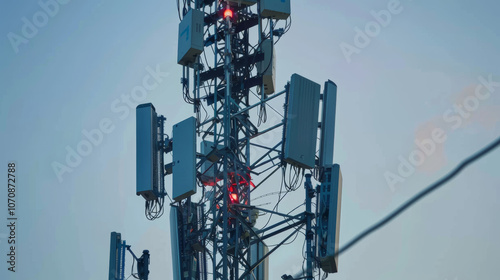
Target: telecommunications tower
226	49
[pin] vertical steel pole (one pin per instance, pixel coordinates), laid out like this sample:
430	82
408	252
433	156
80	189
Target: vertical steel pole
227	134
214	211
309	233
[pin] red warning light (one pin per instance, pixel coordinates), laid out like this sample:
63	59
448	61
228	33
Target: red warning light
228	13
237	181
233	197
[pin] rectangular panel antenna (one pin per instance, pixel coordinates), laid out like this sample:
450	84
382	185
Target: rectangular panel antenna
174	241
147	161
259	250
329	219
328	124
301	130
276	9
267	67
190	41
184	158
115	256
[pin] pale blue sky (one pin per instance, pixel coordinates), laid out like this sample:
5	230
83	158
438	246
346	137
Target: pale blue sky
395	90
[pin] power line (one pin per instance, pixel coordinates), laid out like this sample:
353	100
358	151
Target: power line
420	195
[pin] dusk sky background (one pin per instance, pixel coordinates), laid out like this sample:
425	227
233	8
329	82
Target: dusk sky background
398	88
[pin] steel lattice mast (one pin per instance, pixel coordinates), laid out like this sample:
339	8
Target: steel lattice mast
231	117
238	131
220	225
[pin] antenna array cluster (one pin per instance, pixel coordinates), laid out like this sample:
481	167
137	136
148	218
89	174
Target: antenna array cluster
228	58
